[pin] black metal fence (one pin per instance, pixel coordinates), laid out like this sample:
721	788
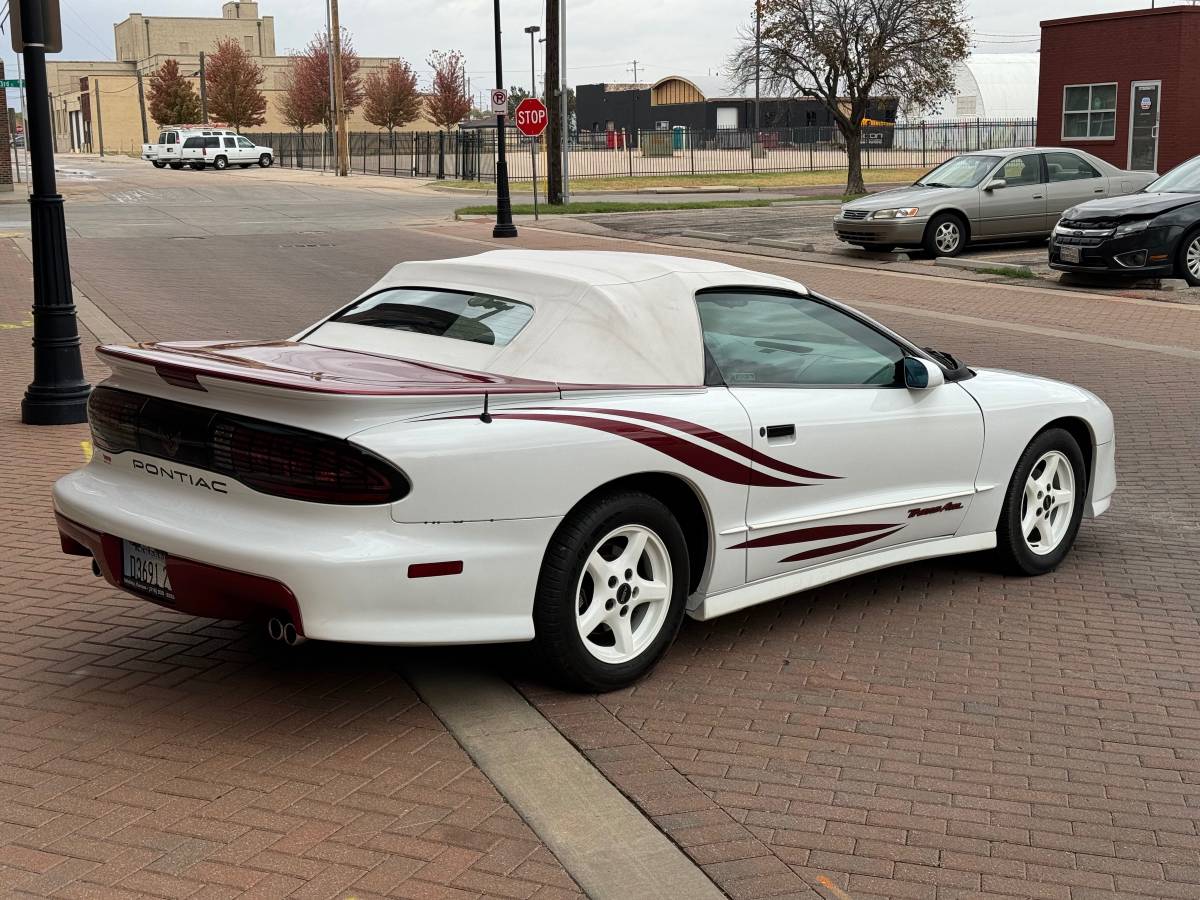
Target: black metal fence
470	154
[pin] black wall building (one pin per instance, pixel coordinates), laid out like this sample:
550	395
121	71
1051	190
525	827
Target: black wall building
701	105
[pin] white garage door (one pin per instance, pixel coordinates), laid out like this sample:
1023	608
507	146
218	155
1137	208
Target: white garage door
727	117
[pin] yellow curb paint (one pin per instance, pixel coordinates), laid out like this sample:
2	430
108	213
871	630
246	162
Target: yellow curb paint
86	446
8	326
833	888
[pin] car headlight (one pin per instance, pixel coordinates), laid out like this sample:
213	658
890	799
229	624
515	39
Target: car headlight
905	213
1070	213
1128	228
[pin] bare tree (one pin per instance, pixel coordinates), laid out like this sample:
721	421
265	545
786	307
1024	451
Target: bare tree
447	102
848	53
392	98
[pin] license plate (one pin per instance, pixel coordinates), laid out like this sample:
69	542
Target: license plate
145	570
1069	254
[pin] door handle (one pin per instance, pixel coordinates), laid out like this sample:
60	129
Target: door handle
1037	196
777	432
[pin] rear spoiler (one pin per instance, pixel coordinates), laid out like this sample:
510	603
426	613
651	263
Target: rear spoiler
293	366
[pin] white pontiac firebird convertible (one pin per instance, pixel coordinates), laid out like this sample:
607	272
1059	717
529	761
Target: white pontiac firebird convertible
570	448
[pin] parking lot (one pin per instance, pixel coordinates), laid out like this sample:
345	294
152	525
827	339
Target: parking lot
931	731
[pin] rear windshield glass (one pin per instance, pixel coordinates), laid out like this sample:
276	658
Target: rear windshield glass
462	315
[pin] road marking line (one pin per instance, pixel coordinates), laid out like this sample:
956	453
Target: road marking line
10	326
86	447
604	842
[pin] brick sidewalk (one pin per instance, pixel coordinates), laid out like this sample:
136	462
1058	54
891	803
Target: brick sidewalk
146	754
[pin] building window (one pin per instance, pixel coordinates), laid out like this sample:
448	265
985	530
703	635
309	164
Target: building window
1089	112
248	43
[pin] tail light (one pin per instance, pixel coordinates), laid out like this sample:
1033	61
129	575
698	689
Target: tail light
275	459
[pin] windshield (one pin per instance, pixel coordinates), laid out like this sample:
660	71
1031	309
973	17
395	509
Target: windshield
1183	179
960	172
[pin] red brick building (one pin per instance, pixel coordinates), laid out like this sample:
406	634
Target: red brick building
1124	86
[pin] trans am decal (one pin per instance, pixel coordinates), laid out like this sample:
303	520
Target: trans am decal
685	451
871	533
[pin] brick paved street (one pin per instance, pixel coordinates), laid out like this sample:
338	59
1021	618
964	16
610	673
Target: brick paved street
933	731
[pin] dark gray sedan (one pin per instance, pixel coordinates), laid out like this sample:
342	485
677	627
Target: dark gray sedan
990	195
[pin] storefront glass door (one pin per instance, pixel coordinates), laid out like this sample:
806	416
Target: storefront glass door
1143	126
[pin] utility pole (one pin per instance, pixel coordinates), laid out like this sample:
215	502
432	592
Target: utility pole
142	109
99	114
554	128
203	91
58	393
504	223
343	140
564	112
637	141
757	64
329	131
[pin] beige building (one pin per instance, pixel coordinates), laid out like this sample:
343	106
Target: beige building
91	99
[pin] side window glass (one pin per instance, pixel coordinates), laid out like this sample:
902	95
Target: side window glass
230	142
1022	170
212	142
1063	166
245	144
776	339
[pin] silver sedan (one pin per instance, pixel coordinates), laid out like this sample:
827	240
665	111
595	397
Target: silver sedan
990	195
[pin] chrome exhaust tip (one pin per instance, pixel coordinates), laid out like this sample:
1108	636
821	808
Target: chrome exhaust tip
291	637
275	629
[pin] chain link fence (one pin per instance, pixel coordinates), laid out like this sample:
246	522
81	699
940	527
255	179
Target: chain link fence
470	154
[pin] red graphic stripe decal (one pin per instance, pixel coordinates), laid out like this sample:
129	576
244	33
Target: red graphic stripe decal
815	533
706	461
817	552
724	441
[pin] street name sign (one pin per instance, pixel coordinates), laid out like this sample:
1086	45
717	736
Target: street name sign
531	117
11	83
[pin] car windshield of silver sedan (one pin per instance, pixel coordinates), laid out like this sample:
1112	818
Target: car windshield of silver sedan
960	172
463	315
1183	179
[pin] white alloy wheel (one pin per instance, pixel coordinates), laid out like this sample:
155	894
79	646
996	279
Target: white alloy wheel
624	594
1048	503
1192	257
948	236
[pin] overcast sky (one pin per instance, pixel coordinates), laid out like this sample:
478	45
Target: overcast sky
687	37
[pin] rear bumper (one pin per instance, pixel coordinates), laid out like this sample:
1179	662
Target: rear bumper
341	573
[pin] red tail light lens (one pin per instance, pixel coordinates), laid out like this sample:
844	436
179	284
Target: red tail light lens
271	458
302	466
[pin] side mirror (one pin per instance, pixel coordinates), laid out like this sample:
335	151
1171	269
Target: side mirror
995	184
921	374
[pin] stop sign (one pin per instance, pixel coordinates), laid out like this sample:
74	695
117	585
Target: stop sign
531	117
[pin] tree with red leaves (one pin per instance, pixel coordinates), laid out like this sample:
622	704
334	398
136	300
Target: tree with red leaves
313	70
172	99
232	79
391	97
447	103
305	96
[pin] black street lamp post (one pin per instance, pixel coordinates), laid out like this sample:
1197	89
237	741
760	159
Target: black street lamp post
504	222
58	394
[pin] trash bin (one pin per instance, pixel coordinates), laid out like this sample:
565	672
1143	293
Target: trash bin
679	140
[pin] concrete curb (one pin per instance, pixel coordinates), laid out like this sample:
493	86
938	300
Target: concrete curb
798	246
983	266
699	189
603	841
707	236
93	318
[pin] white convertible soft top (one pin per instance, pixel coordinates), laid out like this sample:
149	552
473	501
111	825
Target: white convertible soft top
599	317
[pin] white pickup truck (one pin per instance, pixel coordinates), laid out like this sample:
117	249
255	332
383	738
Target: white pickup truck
198	147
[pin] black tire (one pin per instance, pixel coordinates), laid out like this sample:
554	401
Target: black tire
1012	552
932	243
220	163
158	163
176	165
265	161
1192	278
567	661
